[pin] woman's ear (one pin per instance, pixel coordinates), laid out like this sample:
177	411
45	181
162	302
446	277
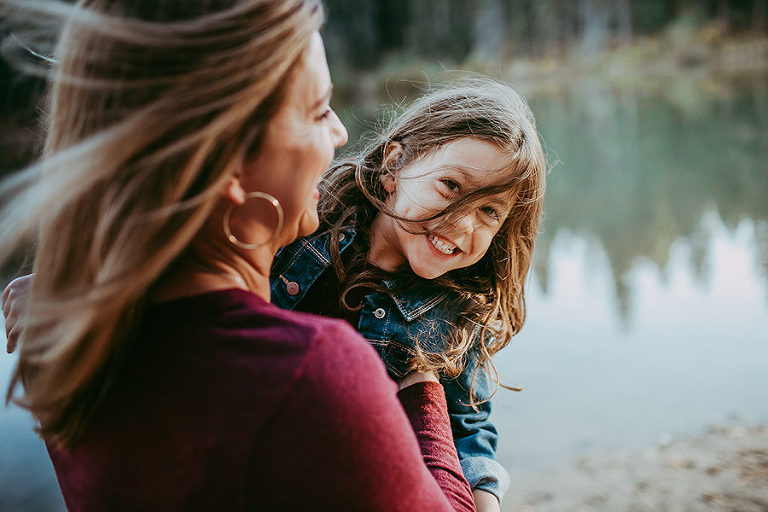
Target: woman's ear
234	190
392	154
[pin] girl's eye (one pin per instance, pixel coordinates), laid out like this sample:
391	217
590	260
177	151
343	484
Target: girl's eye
326	114
490	212
452	185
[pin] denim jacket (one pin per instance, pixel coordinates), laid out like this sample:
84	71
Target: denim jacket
390	321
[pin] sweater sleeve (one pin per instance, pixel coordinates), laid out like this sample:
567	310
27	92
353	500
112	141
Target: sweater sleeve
341	440
426	408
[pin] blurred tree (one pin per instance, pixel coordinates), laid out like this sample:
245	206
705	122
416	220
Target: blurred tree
489	29
360	33
19	122
624	30
652	15
594	26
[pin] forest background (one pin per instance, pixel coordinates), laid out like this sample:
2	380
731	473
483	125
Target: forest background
538	44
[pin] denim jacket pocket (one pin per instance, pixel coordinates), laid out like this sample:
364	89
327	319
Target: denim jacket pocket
378	324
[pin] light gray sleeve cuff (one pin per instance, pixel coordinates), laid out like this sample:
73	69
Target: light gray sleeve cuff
486	474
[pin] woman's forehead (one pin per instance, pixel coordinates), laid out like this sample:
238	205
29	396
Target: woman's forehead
316	66
311	83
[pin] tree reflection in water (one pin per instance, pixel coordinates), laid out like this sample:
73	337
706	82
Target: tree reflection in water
640	168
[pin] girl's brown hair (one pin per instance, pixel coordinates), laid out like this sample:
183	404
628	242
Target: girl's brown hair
153	105
491	292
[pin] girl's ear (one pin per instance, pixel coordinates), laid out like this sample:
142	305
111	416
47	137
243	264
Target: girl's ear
234	190
392	153
389	181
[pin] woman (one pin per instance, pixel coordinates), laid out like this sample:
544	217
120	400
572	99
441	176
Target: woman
185	143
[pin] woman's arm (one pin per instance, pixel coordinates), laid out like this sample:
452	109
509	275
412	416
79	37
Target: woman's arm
344	436
427	412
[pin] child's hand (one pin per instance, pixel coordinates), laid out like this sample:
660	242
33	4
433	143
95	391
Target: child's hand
13	308
414	377
485	501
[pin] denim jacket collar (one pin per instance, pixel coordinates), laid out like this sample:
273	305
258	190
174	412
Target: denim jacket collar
412	302
416	300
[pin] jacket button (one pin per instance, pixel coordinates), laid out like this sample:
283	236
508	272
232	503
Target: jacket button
379	313
342	236
292	288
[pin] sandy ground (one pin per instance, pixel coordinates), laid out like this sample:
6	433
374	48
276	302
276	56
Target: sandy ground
725	469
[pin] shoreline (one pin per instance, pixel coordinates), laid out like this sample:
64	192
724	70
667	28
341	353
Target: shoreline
648	63
724	469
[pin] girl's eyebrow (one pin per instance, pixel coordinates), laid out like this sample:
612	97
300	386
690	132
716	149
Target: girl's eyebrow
467	173
499	202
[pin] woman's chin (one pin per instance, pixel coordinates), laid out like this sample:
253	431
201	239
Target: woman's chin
309	223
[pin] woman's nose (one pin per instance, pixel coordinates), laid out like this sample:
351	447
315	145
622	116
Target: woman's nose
339	132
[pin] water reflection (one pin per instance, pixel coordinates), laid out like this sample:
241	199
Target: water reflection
695	356
639	170
649	298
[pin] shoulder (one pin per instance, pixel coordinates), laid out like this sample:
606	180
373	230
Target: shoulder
321	336
244	322
339	360
271	352
332	352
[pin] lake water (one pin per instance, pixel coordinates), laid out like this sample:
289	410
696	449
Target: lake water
648	302
649	296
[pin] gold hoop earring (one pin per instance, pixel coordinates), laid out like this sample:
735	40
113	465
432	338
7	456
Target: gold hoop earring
254	195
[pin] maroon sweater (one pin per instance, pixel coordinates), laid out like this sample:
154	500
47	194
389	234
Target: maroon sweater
230	403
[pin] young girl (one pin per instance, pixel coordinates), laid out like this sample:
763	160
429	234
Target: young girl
425	245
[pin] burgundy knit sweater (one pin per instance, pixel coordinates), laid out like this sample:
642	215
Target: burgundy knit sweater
230	403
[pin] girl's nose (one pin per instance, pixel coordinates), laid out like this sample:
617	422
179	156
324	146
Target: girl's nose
464	226
339	132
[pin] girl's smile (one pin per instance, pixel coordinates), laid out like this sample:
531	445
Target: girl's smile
442	245
425	188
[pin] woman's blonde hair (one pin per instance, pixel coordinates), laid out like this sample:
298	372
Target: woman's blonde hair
491	292
153	105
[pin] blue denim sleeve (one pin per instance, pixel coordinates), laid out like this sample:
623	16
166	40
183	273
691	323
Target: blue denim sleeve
474	434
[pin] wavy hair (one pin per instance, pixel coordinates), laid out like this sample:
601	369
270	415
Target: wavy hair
491	292
153	105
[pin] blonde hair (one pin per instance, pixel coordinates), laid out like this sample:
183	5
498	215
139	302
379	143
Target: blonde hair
153	105
491	292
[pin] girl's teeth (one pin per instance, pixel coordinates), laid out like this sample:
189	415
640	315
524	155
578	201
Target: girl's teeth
441	246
